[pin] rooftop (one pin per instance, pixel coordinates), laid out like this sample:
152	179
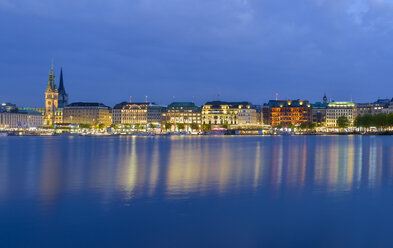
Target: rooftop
122	104
218	103
86	104
287	103
186	105
341	104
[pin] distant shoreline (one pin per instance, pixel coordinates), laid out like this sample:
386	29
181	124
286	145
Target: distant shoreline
201	135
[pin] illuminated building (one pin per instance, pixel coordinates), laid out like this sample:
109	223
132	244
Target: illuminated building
51	100
55	100
338	109
90	113
186	113
380	106
20	119
319	113
287	112
390	107
141	113
228	113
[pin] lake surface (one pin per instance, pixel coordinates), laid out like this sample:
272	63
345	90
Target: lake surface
290	191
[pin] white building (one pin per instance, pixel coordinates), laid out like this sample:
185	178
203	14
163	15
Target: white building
21	120
337	109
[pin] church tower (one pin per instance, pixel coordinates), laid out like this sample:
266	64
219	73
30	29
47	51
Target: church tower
63	96
51	100
325	100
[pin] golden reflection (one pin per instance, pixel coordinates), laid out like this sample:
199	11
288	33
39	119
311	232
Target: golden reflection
51	177
257	164
4	160
181	167
128	175
277	162
154	171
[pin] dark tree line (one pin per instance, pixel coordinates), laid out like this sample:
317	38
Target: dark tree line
379	121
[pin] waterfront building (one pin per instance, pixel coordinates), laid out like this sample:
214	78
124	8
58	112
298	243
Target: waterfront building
186	113
390	107
137	113
20	119
380	106
319	113
259	114
337	109
228	113
287	112
90	113
155	114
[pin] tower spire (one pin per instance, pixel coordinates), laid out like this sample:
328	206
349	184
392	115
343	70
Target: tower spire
61	84
51	84
325	100
63	96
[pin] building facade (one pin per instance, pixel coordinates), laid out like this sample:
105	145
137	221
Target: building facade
183	113
287	112
380	106
337	109
319	113
155	114
137	113
21	120
228	113
90	113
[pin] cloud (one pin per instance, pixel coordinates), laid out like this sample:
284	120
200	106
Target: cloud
299	48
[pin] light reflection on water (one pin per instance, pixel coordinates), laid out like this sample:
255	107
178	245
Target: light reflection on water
301	191
181	167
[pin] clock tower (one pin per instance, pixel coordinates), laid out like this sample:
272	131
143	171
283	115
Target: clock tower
51	100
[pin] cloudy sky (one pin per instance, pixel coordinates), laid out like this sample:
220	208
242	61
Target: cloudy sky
200	50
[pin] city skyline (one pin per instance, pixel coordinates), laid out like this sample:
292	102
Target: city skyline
242	50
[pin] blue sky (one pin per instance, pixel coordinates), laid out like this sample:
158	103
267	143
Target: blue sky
188	49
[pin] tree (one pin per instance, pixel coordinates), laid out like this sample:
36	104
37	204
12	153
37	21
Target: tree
87	126
390	119
343	122
168	126
380	120
312	126
207	127
279	126
180	126
194	126
225	126
101	126
303	126
114	126
152	126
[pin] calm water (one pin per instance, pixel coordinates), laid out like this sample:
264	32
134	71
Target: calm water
333	191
